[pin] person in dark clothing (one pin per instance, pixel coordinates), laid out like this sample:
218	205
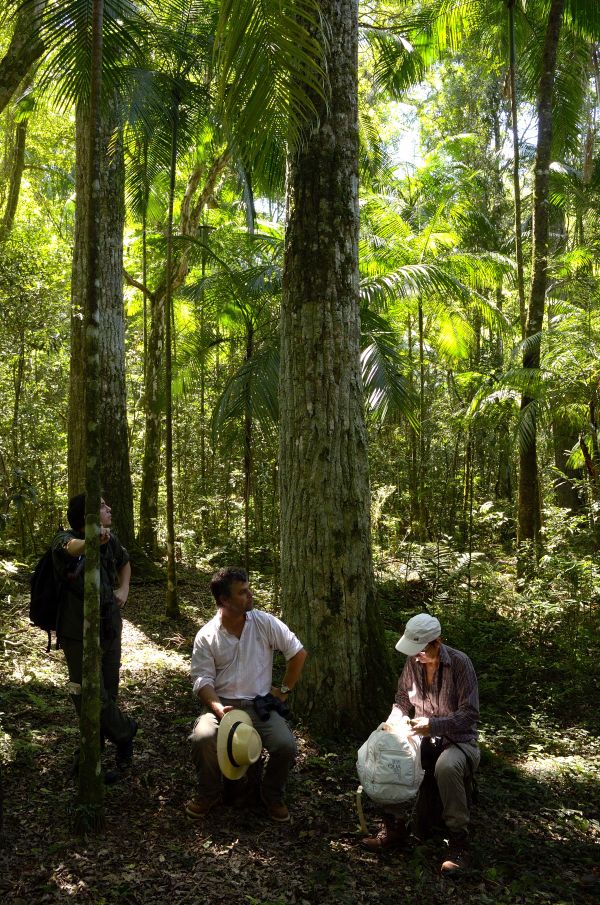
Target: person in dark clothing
68	553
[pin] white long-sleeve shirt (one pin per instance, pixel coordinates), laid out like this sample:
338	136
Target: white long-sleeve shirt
240	668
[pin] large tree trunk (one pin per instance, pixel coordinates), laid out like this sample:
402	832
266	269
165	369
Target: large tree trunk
114	438
328	594
529	492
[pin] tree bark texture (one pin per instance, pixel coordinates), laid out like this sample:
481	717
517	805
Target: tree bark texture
529	495
328	594
25	49
147	535
114	437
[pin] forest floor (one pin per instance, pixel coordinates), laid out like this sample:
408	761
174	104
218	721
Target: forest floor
536	827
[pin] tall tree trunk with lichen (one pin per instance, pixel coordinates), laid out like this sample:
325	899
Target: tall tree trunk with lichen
16	174
328	594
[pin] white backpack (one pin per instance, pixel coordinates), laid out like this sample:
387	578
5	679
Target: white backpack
389	766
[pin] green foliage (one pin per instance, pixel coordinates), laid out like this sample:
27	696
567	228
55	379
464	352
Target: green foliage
269	59
33	343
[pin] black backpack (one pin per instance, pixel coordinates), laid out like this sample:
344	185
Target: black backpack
45	596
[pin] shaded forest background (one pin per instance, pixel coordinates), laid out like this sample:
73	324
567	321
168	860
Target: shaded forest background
472	378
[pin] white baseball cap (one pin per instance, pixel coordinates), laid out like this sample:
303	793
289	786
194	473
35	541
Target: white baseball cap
419	631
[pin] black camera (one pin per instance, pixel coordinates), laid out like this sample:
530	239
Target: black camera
265	703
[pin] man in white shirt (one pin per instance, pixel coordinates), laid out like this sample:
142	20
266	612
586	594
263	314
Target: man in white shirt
232	663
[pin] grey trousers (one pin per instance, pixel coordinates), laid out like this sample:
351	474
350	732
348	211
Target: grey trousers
451	772
114	724
276	737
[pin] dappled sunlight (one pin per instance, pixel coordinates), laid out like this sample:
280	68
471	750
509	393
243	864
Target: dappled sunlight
548	767
141	653
524	811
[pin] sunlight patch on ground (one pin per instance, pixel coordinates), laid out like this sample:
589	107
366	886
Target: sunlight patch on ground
141	653
548	766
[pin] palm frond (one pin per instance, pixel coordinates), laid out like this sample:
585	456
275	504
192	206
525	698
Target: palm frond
527	426
269	61
384	365
252	389
398	64
67	33
584	17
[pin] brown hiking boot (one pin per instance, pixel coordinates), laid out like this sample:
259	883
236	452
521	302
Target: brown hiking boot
199	807
459	855
277	810
393	834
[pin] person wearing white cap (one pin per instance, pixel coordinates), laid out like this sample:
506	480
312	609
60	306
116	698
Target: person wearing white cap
232	665
438	690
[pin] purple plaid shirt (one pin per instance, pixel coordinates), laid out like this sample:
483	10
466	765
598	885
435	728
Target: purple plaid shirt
452	700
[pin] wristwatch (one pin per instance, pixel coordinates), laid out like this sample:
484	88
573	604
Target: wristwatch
285	689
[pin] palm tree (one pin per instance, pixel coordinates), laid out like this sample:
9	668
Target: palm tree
64	75
423	279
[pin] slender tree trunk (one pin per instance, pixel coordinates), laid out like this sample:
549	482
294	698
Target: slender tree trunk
413	471
516	163
172	606
18	378
152	435
248	430
529	492
89	814
422	471
328	594
145	255
467	487
16	175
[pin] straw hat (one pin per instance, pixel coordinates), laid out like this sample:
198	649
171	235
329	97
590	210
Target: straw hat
238	744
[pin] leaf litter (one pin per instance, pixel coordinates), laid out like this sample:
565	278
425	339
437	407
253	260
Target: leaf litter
536	829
